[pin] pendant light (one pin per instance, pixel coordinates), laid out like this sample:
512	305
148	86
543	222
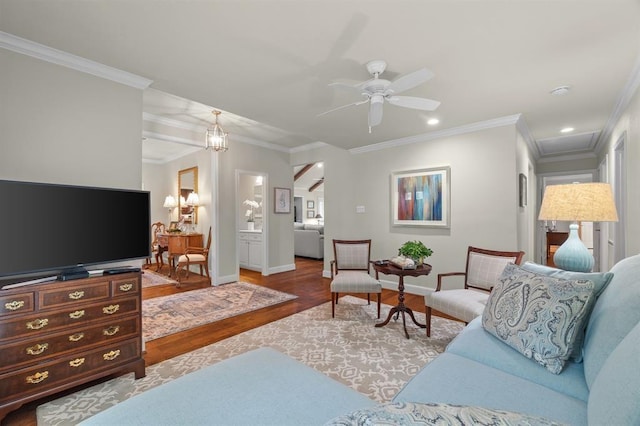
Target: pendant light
216	138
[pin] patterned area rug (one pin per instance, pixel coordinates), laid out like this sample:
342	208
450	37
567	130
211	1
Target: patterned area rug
171	314
376	362
150	278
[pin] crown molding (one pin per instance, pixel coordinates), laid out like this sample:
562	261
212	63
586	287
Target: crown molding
568	157
58	57
467	128
308	147
523	128
622	103
171	122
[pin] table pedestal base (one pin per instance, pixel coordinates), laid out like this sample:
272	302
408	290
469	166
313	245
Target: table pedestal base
401	309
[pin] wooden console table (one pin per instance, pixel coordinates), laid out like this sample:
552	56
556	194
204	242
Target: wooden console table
177	243
555	239
401	308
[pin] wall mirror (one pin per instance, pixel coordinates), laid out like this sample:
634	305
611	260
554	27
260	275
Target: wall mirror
187	183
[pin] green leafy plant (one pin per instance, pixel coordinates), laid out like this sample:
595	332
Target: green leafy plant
415	250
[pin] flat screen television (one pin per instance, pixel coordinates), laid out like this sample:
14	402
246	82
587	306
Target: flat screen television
47	229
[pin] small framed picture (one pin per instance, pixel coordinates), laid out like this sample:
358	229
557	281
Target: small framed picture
173	225
310	204
523	190
311	214
282	200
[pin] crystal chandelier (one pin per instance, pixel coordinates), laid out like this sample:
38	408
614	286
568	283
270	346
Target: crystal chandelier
216	138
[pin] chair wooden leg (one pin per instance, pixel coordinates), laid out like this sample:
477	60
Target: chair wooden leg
368	298
428	315
379	297
333	304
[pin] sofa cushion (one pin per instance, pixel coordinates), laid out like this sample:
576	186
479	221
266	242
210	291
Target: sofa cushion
408	413
615	394
452	379
475	343
600	281
298	225
311	227
615	313
537	315
262	386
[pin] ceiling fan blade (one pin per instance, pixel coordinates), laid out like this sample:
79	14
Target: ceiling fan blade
375	113
413	102
409	81
343	106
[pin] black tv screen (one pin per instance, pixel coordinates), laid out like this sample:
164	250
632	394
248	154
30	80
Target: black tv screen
48	228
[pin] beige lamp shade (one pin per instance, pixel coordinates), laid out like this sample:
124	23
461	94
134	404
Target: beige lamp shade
589	202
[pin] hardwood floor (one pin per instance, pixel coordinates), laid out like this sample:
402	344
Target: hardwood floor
306	282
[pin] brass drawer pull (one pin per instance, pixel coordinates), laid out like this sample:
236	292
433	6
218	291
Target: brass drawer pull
76	362
37	324
110	356
126	287
111	331
111	309
15	305
76	314
76	295
76	337
37	349
38	377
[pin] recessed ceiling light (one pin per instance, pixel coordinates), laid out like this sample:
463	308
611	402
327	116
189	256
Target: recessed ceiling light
433	121
320	165
561	90
567	130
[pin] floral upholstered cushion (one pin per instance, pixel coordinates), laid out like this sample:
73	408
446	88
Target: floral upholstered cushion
411	413
538	315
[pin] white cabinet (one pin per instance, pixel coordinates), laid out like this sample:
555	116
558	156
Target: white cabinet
250	250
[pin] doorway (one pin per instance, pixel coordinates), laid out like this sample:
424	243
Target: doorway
252	221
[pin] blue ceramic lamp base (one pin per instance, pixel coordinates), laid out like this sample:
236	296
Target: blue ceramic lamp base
573	255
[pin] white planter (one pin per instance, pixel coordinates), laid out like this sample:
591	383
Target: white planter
250	225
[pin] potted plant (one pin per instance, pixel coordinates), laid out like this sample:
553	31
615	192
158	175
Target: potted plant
250	214
415	250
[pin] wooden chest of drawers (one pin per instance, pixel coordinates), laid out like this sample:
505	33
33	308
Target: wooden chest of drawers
58	335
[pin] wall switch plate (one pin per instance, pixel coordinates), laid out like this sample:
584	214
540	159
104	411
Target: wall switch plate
359	209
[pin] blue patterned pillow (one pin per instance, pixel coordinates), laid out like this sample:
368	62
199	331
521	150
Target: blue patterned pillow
538	315
411	413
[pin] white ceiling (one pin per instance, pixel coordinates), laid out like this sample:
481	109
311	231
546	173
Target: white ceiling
267	63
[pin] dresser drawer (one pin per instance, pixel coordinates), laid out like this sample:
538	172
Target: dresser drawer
125	286
19	303
51	374
19	354
250	236
82	293
46	322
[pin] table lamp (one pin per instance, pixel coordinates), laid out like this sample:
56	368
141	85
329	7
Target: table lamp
577	202
318	217
170	203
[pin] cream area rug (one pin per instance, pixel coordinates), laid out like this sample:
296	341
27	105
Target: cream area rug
171	314
376	362
150	279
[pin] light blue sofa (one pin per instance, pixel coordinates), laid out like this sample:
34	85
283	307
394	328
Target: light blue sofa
604	389
264	387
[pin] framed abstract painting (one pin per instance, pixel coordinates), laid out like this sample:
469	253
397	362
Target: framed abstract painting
421	197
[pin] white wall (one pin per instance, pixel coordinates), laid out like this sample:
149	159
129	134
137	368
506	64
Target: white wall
484	196
628	125
63	126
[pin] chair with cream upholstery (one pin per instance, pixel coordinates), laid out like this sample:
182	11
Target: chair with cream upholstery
483	269
350	271
194	256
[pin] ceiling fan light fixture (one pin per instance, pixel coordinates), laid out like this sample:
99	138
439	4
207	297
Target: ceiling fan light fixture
216	137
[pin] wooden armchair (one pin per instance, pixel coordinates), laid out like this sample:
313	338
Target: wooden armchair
194	256
483	269
350	271
156	249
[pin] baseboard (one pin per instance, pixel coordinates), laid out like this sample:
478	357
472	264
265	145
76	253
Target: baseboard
282	268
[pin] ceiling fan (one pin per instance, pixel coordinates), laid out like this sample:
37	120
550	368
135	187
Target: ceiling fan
378	90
